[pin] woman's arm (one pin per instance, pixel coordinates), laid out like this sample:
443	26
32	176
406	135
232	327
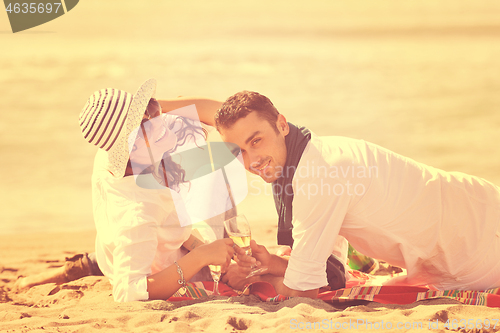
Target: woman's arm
194	240
206	107
164	284
136	247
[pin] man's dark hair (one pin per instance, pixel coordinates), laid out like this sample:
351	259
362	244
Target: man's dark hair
241	104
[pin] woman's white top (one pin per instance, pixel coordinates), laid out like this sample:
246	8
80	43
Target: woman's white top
139	230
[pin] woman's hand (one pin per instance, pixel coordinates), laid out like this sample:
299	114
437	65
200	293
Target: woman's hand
219	252
163	284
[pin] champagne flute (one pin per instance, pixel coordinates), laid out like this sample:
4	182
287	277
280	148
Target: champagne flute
207	234
238	229
215	271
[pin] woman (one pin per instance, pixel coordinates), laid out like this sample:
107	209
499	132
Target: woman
139	234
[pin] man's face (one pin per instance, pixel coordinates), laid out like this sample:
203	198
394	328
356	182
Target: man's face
263	149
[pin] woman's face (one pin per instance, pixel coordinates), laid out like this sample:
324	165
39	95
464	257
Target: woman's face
153	139
153	110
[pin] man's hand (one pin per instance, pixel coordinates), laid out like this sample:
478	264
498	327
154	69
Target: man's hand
235	277
237	273
260	256
205	107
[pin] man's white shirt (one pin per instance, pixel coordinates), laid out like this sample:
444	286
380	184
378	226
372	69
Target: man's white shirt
438	225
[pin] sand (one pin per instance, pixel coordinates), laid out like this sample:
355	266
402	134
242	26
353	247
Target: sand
86	305
420	78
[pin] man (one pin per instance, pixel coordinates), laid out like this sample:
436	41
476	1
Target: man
443	227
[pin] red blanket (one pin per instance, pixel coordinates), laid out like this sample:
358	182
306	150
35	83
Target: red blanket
380	294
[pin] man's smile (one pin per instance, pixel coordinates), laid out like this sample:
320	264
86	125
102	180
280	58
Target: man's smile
263	166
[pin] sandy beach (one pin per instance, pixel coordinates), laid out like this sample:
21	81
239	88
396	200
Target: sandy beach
86	305
420	78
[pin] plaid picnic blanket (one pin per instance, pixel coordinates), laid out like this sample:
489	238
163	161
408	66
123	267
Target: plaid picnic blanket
379	294
405	295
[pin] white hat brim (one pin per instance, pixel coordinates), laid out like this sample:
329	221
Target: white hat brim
118	155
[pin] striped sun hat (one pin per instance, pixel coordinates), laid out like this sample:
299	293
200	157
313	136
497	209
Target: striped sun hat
110	116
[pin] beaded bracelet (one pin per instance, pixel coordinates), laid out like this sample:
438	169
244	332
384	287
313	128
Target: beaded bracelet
181	281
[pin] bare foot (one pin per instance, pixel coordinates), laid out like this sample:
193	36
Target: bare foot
57	276
386	269
20	285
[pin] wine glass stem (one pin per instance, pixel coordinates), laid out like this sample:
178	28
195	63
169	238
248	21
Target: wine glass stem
249	253
216	287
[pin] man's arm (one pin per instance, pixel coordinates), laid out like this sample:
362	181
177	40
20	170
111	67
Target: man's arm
277	282
276	270
206	107
236	274
277	266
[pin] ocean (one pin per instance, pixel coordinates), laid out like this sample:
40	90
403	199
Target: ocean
420	78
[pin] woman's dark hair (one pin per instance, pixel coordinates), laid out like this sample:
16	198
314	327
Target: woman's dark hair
171	171
168	173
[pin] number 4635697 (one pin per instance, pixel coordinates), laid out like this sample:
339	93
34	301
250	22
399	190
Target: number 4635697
32	8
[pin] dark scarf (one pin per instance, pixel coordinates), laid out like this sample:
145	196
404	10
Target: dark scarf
296	141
